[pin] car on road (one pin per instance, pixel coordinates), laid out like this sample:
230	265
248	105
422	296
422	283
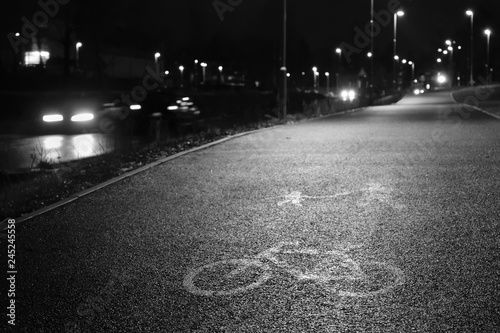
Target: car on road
77	112
175	109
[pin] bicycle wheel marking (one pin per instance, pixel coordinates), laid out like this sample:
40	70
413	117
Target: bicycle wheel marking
242	265
343	276
396	279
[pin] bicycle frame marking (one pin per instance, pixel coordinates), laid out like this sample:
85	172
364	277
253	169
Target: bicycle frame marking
296	198
259	261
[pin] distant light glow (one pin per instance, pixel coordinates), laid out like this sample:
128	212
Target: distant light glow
487	32
338	50
32	58
135	107
50	118
348	94
416	91
85	116
441	79
439	60
400	13
369	55
469	12
173	107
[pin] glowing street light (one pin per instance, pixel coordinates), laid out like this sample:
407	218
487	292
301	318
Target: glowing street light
203	69
471	14
181	69
338	50
487	32
78	46
438	60
412	64
157	56
315	71
396	14
327	82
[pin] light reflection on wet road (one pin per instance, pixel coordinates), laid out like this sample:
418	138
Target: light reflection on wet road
18	154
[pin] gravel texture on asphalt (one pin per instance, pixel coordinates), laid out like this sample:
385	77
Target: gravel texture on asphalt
400	199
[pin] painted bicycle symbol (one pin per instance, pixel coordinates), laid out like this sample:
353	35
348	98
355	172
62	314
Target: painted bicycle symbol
334	270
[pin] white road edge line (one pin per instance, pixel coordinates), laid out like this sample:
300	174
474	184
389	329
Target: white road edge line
76	196
473	106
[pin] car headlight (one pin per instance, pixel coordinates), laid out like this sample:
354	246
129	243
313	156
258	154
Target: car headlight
344	95
86	116
50	118
352	95
416	91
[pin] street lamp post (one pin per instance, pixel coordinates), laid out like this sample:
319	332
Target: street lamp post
181	69
327	83
285	72
221	79
315	72
157	56
78	46
471	14
398	13
412	64
203	70
339	52
487	32
371	49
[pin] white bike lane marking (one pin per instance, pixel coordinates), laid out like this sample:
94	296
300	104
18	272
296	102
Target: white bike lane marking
343	269
372	192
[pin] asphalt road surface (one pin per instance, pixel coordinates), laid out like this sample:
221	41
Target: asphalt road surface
380	220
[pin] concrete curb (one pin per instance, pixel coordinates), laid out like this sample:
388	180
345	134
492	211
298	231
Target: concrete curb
473	106
29	216
479	109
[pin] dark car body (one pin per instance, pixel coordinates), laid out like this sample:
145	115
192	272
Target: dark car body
176	111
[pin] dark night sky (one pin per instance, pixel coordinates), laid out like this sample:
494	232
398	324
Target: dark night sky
190	27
